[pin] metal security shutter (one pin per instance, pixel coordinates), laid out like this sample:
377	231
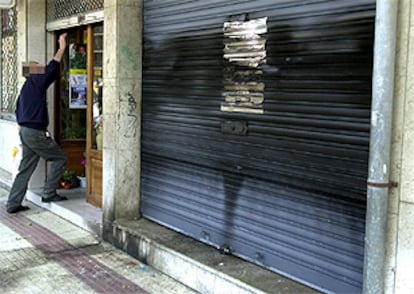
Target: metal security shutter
289	191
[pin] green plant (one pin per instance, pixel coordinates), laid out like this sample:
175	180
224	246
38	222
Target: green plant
68	175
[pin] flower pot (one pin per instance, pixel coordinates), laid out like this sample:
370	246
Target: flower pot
67	185
82	182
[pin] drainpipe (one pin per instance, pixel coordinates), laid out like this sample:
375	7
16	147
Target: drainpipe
380	146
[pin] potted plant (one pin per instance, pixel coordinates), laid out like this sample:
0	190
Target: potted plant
69	180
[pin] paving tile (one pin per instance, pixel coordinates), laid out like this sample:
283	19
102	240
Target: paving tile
141	274
43	253
64	229
47	278
10	240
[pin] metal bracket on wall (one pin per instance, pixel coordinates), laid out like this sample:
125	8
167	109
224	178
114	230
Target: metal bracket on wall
383	185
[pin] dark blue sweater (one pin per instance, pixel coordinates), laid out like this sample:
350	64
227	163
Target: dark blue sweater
31	109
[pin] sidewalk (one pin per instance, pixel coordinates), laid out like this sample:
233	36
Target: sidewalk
42	253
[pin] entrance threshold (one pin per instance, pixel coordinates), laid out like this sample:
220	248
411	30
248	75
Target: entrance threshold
75	209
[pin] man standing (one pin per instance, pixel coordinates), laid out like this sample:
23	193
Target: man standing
32	117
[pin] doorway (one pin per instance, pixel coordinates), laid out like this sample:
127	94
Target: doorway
78	123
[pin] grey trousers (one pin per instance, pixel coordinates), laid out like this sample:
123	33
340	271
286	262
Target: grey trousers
37	144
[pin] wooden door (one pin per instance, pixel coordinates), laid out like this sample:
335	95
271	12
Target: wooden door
94	115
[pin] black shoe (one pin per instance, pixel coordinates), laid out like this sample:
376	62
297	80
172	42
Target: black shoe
17	209
54	198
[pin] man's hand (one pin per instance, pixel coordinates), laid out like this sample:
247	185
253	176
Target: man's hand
62	41
62	45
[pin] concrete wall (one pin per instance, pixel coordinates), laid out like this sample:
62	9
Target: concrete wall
8	138
400	246
8	128
121	111
31	42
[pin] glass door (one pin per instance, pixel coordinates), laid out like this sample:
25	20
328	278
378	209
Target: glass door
71	112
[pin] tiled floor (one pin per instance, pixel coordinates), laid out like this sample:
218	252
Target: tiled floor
42	253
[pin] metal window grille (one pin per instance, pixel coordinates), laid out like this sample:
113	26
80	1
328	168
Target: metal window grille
59	9
8	60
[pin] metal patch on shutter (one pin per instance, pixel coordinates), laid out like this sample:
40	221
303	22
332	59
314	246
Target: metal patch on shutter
244	52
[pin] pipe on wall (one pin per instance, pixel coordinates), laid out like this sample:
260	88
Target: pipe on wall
380	145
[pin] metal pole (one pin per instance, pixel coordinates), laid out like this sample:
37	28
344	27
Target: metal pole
380	145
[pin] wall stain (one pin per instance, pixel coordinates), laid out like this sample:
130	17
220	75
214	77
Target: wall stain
130	57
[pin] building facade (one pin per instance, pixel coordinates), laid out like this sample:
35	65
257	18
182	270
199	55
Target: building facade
244	125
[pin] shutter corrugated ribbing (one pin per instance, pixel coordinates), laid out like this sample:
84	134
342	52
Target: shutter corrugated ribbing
288	194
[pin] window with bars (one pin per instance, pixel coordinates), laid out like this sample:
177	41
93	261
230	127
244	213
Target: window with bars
8	80
59	9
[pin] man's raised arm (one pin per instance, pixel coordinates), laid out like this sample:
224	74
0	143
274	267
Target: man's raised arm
62	46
